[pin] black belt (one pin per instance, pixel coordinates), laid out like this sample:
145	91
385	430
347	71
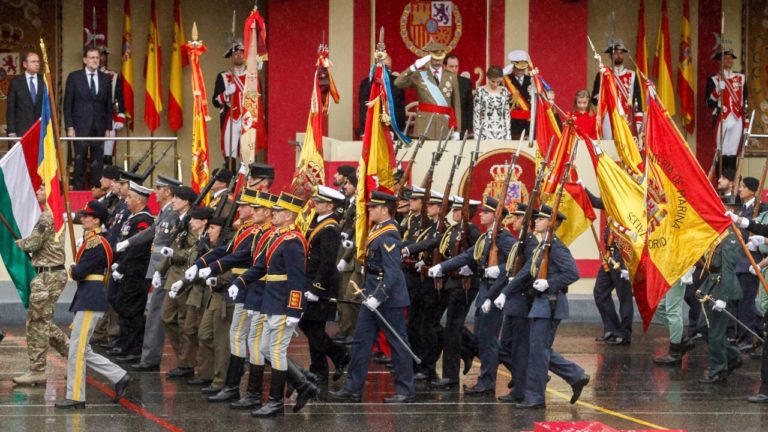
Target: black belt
49	269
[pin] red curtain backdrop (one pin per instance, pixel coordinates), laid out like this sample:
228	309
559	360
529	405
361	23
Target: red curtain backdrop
709	24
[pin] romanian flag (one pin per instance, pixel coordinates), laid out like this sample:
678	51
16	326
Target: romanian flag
153	102
126	70
178	61
48	163
641	58
200	155
377	162
662	62
685	215
685	73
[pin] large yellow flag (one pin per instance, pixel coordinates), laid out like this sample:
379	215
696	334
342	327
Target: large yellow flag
626	147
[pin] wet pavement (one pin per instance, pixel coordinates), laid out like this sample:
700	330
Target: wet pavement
626	392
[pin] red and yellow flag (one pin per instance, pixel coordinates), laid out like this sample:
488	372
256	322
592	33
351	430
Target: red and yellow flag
200	156
685	73
641	58
126	70
153	101
546	125
685	215
178	61
662	62
377	162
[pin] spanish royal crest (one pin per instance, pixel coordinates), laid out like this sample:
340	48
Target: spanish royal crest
423	21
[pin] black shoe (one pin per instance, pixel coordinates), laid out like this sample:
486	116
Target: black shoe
2	336
530	405
756	354
508	398
746	346
578	387
714	379
604	337
445	384
421	376
130	358
271	409
199	382
338	337
398	398
120	387
70	404
210	390
696	336
732	366
181	372
275	405
225	395
341	366
344	395
758	398
249	401
618	340
477	391
345	340
382	359
141	367
115	350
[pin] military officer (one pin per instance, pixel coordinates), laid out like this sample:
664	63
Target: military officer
438	93
347	265
90	271
628	87
727	97
228	97
385	292
260	176
46	248
219	190
518	82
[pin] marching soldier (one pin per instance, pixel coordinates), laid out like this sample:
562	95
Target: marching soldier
385	292
628	87
109	185
90	271
260	176
518	82
47	252
438	93
746	311
228	98
726	95
347	265
323	241
219	189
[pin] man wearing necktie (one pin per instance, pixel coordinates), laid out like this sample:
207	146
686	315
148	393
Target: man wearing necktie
25	96
88	113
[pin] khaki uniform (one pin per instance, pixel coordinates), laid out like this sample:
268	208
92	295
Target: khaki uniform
448	87
213	333
47	253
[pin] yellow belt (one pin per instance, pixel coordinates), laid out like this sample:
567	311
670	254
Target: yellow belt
276	278
239	271
94	278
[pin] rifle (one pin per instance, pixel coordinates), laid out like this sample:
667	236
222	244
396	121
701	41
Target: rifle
493	253
220	205
742	153
154	164
517	257
137	164
407	174
713	167
463	243
181	225
436	255
427	182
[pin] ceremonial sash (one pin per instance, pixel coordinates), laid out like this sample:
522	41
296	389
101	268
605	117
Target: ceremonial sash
522	110
328	222
268	235
433	90
437	109
286	236
376	234
242	236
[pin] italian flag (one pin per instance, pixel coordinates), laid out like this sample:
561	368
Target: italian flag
18	206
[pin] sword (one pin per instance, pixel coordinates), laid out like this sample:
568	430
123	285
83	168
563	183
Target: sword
335	300
701	297
359	292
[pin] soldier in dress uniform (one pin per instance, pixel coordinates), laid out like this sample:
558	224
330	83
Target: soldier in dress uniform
487	318
90	271
324	240
129	273
46	249
726	95
386	292
628	87
518	82
109	185
228	98
260	176
438	93
347	265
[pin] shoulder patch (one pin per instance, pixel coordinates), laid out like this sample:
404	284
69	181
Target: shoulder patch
389	247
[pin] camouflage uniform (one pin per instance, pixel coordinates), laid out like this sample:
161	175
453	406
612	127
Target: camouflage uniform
47	253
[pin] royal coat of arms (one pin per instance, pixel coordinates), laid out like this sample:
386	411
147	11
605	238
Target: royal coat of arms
424	21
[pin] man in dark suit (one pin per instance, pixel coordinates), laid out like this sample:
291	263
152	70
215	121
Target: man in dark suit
25	96
451	63
88	113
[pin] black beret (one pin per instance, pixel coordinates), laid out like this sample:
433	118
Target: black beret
223	175
751	183
346	170
184	192
111	172
219	221
96	209
201	213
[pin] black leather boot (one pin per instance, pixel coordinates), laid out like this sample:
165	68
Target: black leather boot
673	357
231	390
252	398
274	405
306	390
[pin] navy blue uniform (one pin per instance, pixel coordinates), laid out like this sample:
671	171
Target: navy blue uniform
90	271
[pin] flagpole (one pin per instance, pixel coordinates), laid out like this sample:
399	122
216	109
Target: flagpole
57	138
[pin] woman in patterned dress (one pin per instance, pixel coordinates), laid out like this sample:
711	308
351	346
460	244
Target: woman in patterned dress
492	105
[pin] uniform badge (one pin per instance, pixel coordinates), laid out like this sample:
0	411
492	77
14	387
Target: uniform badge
294	300
389	247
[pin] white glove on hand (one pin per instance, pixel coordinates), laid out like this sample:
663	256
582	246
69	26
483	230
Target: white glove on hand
405	252
157	280
719	306
371	303
486	307
752	270
752	247
292	321
166	251
341	265
79	242
114	266
311	297
687	278
721	85
465	271
121	246
116	275
230	90
211	282
118	125
203	273
435	271
233	290
172	294
176	286
743	223
419	265
734	217
347	244
250	313
492	272
625	274
418	64
500	300
508	69
540	285
757	240
190	273
456	136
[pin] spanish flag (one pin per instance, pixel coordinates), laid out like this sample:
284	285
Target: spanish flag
608	102
641	58
178	61
685	73
200	155
377	162
662	62
126	69
153	102
685	215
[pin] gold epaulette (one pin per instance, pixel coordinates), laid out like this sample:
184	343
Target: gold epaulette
92	240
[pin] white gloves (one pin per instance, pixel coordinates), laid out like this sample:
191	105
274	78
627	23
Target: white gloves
757	240
752	247
687	278
465	271
419	265
486	307
230	90
418	64
371	303
79	242
625	274
118	125
347	244
190	273
500	300
721	85
719	306
540	285
341	265
405	252
203	273
734	217
435	271
311	297
121	246
233	290
211	282
116	275
456	136
157	280
292	321
743	223
175	288
492	272
250	313
508	69
166	251
172	294
752	270
114	266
